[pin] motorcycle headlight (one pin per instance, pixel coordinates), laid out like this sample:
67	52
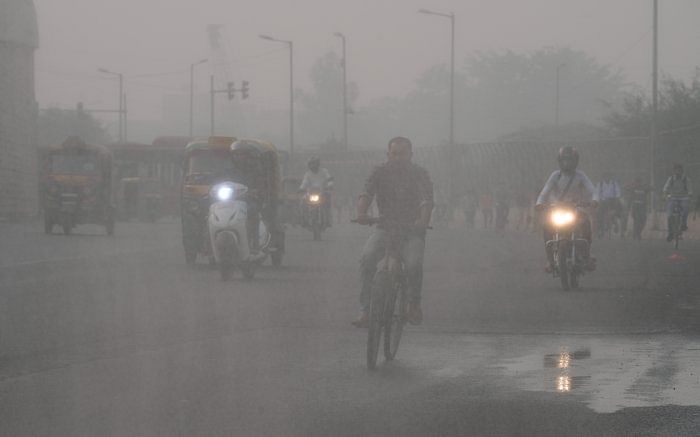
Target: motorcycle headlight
224	193
314	198
562	217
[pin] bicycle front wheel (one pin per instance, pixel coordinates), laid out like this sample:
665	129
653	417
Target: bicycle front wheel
376	317
397	308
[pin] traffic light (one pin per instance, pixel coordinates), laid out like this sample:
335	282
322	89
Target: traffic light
244	89
231	91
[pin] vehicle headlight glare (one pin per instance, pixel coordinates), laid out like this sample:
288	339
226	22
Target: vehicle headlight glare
314	198
562	218
224	193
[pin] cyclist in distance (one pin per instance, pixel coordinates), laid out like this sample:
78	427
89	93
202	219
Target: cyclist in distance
678	189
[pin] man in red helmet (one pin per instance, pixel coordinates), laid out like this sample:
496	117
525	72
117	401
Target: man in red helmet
567	185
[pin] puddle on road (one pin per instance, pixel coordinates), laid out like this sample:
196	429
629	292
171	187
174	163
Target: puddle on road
613	373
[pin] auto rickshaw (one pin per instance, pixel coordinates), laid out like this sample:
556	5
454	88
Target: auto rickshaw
205	161
76	186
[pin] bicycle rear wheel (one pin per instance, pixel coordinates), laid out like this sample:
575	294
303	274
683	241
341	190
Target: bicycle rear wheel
395	321
376	317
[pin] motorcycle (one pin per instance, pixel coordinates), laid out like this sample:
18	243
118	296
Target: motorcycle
567	246
228	214
315	217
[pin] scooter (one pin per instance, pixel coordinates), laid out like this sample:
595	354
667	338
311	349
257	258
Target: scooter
228	214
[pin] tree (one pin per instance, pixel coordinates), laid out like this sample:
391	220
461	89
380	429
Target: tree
321	113
55	125
497	93
678	119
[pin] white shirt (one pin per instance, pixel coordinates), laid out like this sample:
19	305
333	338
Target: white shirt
320	180
581	188
609	190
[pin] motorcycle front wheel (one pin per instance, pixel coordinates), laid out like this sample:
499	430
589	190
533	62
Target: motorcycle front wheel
563	265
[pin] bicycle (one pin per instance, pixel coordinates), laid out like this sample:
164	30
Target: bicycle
388	310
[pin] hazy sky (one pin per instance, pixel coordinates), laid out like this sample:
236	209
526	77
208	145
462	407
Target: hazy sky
389	44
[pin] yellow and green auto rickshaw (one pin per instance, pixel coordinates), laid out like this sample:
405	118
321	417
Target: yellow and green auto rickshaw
76	186
205	161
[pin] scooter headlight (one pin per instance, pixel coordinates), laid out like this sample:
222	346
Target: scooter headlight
562	217
314	198
224	193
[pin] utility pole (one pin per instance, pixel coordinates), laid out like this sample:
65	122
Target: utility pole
450	165
192	94
290	44
121	101
126	120
345	93
230	91
654	108
211	108
556	99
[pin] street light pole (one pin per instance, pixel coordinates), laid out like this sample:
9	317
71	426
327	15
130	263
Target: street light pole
290	44
345	94
121	101
192	94
654	109
556	99
451	17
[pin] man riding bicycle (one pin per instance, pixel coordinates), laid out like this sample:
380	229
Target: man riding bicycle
404	194
678	190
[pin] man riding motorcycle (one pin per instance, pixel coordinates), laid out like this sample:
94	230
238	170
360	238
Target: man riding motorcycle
678	189
317	179
404	194
568	185
249	168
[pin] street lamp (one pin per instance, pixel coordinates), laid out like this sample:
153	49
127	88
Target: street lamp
556	99
192	93
121	101
290	44
345	93
451	17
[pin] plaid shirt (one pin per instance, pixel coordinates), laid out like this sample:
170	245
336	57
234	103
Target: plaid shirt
400	192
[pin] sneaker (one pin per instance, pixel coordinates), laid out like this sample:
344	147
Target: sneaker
362	320
415	313
669	237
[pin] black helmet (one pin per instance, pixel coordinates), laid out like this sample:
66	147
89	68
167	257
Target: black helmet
314	162
568	158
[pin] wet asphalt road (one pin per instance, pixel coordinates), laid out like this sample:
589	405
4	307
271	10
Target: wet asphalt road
115	336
